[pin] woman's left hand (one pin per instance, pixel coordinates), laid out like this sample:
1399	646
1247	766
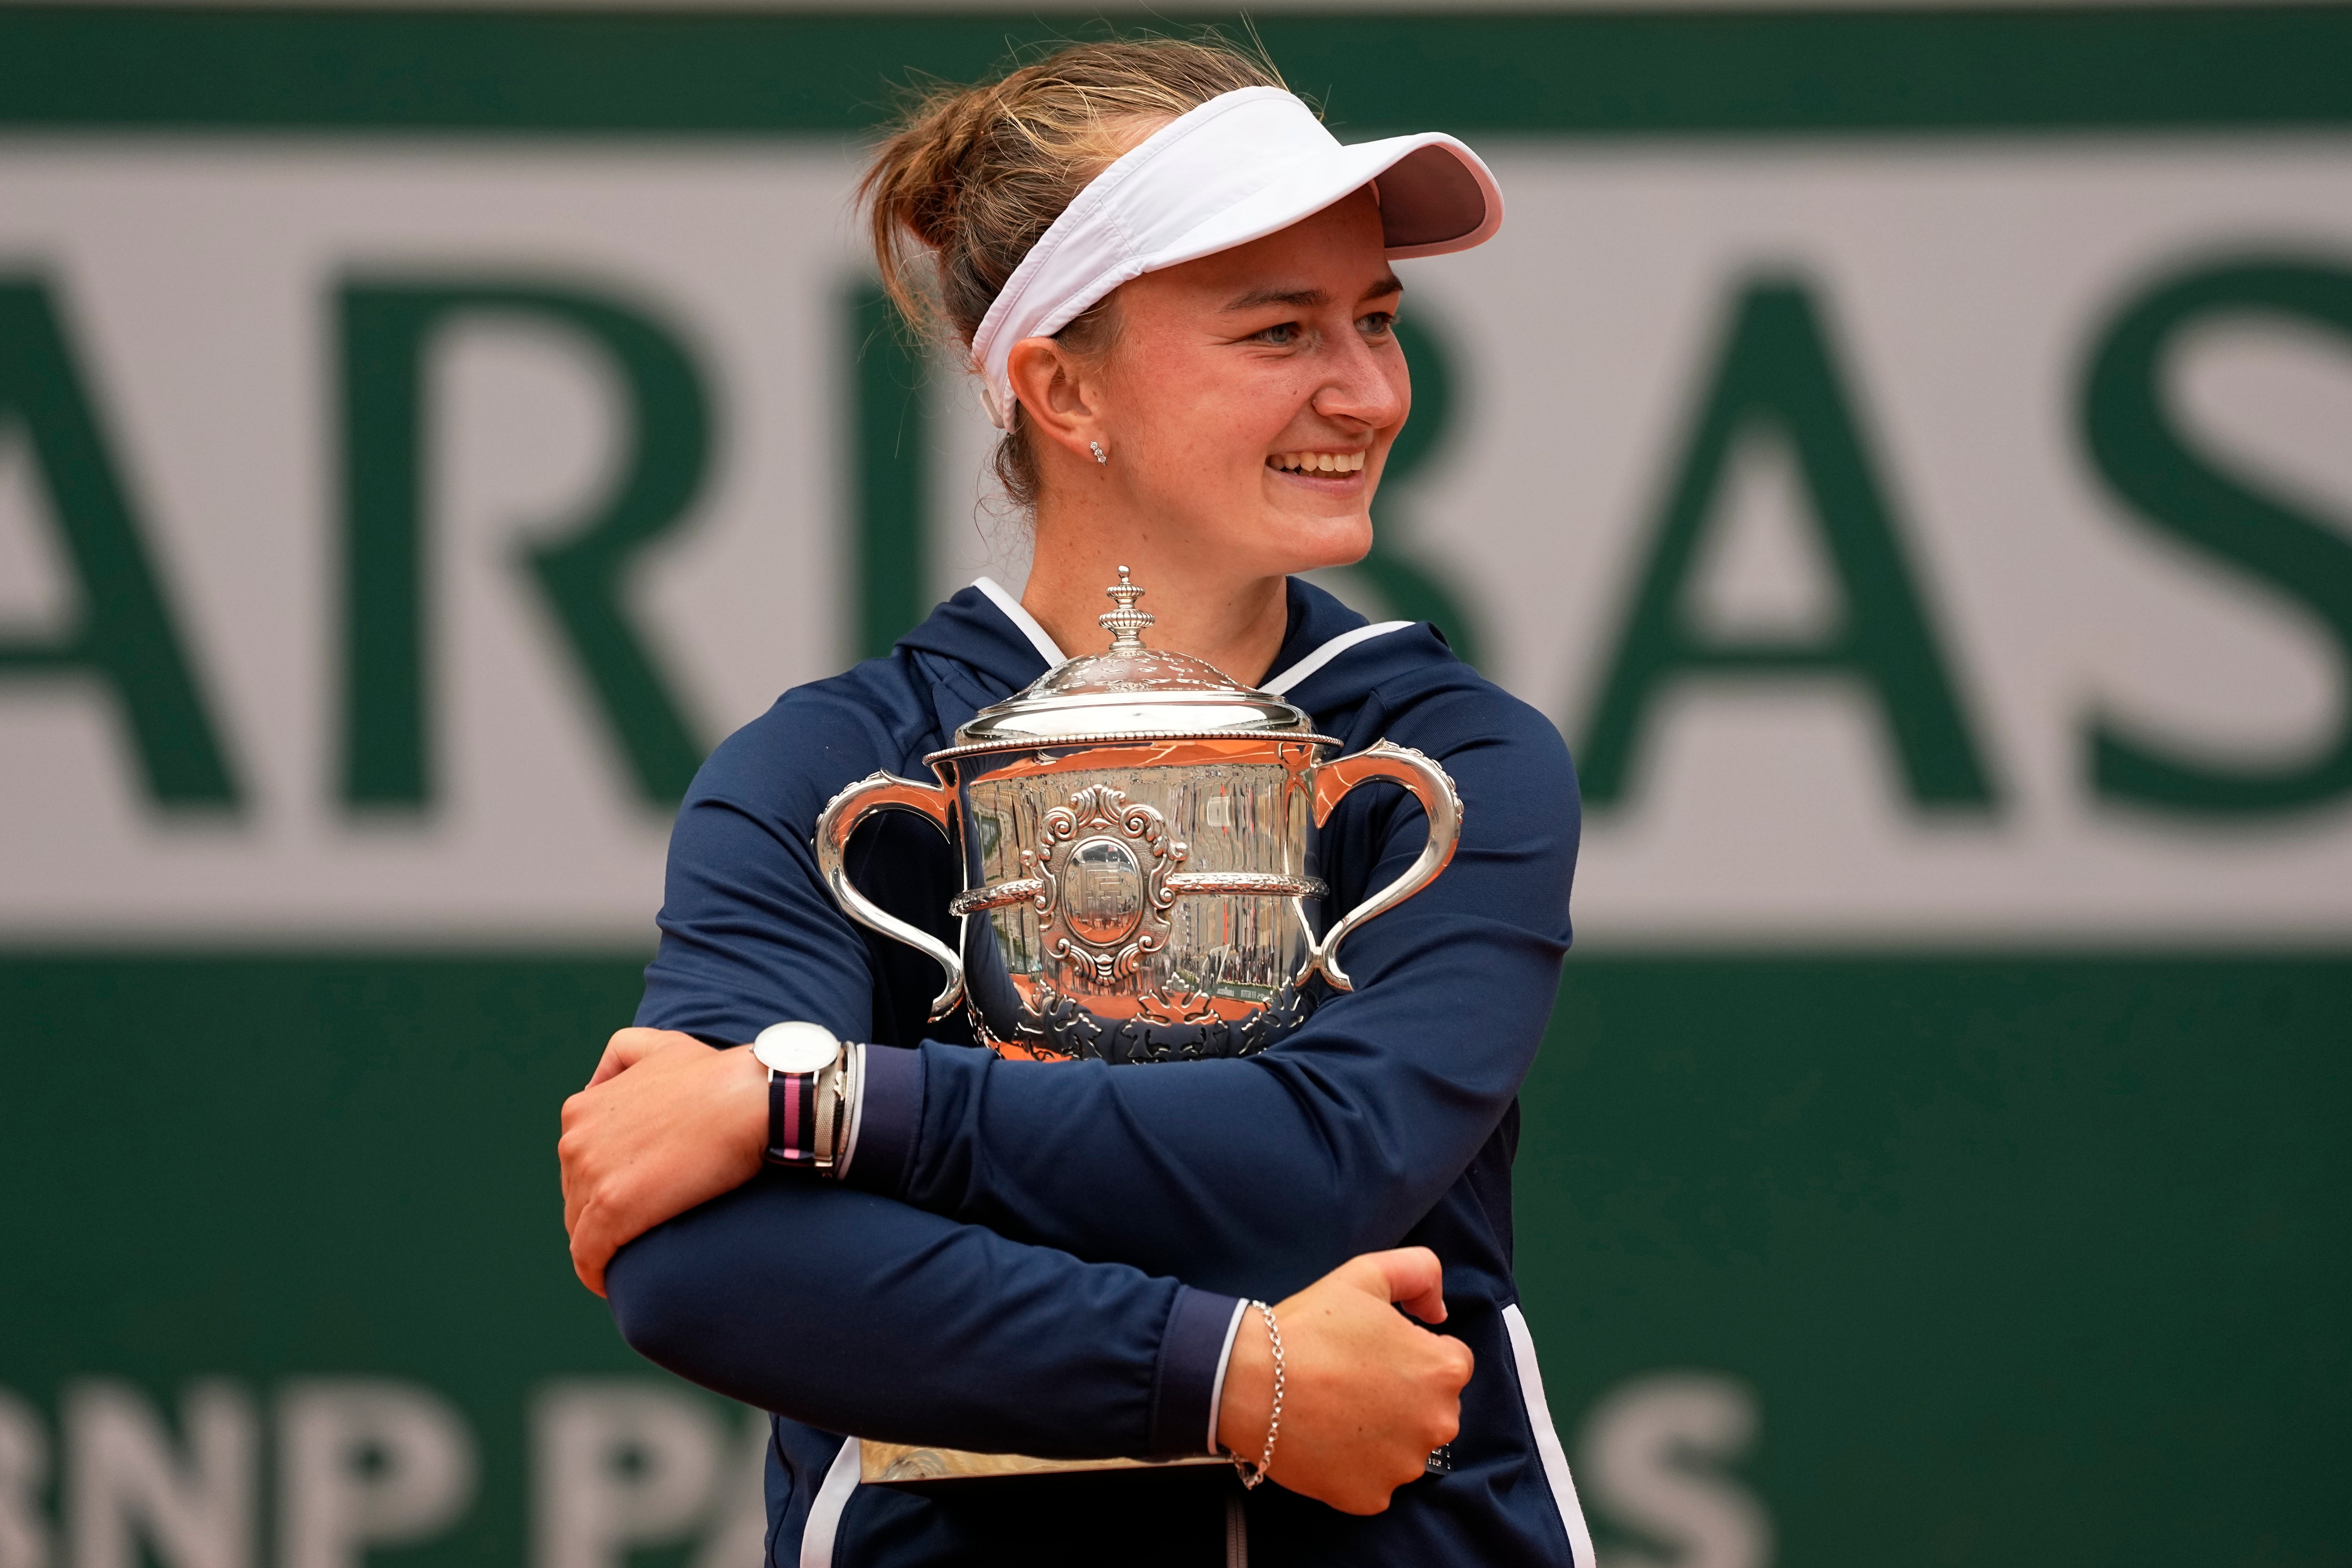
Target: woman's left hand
666	1124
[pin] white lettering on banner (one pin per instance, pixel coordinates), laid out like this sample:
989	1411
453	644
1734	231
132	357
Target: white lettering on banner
128	1485
1650	1449
24	1533
1937	543
365	1463
619	1464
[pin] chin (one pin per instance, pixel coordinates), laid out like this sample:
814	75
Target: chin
1292	544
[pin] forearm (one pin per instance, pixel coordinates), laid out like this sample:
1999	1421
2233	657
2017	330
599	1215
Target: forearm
855	1313
1335	1142
1343	1135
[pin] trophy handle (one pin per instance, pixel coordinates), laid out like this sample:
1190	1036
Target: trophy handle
887	792
1430	786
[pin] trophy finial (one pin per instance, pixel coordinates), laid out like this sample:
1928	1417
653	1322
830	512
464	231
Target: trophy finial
1127	620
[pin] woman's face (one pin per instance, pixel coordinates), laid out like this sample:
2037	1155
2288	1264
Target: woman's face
1249	399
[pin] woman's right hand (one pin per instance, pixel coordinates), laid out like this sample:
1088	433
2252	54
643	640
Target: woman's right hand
1366	1393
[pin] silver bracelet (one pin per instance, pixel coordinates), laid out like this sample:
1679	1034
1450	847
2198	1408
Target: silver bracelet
848	1084
1252	1474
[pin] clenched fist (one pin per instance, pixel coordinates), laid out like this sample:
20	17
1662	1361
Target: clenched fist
665	1125
1367	1394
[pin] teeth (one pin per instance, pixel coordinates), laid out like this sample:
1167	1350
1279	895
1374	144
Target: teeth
1320	462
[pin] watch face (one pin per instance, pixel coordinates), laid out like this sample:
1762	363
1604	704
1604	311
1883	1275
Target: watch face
796	1047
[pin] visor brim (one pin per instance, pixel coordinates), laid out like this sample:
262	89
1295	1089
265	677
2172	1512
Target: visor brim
1436	195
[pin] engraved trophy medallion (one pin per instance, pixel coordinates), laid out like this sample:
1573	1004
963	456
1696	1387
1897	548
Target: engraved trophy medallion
1137	837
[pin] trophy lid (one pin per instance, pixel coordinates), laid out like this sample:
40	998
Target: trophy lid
1129	693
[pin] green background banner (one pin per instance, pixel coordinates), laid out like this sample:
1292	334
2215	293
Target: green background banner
2036	1259
2091	69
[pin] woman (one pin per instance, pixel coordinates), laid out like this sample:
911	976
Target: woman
1176	289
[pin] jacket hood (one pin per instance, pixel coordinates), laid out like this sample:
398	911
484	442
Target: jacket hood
1331	657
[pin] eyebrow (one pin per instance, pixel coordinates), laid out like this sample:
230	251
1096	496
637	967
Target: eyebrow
1308	298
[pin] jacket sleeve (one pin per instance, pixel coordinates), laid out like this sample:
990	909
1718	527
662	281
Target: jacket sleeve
1273	1169
849	1311
856	1313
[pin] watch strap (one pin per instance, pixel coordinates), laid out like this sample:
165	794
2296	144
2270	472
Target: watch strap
793	1117
812	1116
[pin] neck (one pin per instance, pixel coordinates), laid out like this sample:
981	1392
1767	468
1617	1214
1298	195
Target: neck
1233	622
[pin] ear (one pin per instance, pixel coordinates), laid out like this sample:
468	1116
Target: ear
1058	398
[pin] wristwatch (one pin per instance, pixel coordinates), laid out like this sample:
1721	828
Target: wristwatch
813	1081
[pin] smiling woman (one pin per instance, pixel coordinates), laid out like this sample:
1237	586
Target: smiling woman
1173	200
1175	288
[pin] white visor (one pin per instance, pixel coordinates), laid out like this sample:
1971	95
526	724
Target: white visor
1238	168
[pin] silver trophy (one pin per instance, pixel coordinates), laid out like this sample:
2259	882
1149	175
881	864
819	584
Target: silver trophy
1139	882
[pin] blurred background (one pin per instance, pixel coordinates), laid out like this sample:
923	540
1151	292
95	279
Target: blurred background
1907	451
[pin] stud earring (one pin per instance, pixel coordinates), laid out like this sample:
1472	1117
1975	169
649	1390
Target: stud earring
1100	455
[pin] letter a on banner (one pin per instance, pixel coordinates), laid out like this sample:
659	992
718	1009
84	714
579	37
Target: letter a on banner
121	630
1776	377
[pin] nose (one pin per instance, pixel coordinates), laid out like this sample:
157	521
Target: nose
1365	386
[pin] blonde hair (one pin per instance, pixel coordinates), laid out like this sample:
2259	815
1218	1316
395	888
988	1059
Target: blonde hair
974	175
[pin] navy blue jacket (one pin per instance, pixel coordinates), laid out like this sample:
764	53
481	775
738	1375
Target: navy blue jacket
1043	1258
